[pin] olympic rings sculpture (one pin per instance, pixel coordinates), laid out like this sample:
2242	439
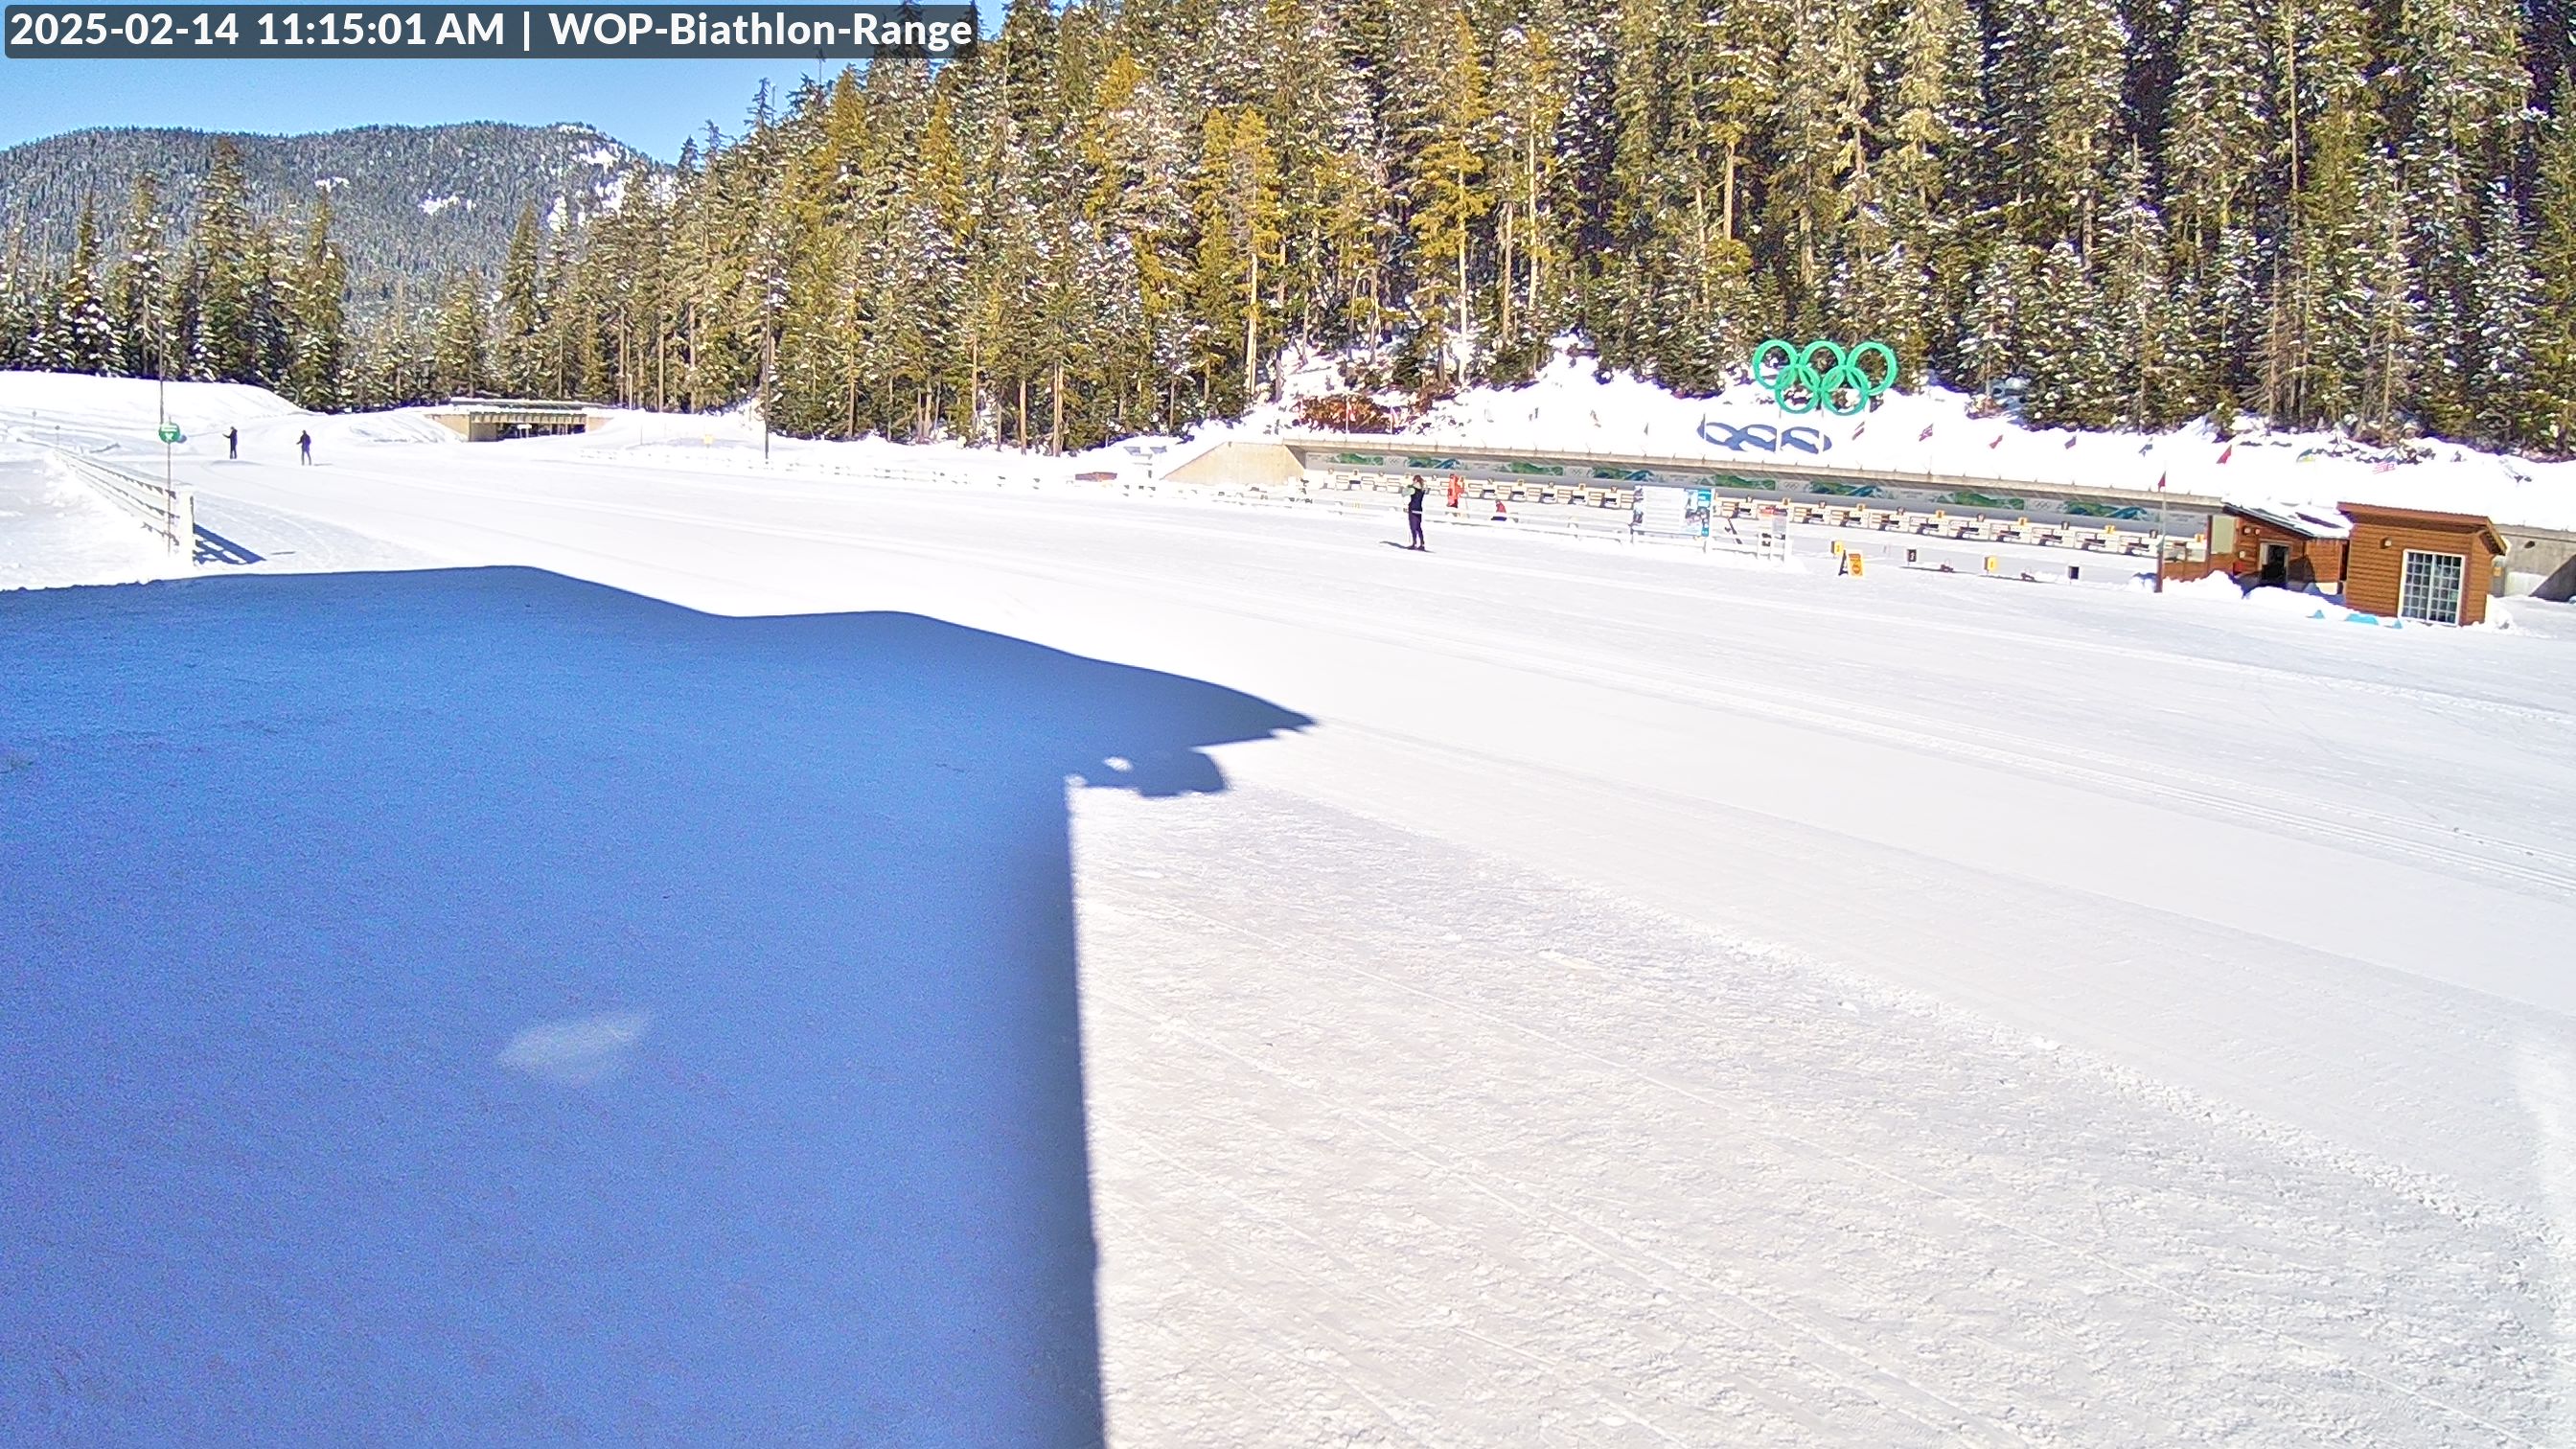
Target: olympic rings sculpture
1791	374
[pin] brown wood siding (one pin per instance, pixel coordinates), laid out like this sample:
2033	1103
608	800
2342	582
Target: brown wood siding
2312	560
2376	569
2183	570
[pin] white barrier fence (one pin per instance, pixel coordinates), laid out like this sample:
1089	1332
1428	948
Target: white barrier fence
168	510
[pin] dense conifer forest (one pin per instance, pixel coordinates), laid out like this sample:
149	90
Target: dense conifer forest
410	205
1119	217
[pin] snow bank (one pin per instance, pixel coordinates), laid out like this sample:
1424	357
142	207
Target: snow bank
55	532
130	401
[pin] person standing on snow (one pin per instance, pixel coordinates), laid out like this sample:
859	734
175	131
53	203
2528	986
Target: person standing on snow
1457	490
232	442
304	445
1413	513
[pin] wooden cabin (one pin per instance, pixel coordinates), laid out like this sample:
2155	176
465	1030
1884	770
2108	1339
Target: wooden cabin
2260	547
2410	563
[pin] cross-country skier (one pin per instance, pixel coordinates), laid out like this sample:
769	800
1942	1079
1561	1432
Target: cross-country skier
1413	512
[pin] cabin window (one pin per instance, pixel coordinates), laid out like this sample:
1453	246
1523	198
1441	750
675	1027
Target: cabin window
2430	587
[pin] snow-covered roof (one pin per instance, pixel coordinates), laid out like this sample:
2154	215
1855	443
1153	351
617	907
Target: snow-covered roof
2305	520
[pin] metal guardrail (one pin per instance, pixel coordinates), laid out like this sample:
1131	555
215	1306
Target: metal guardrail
168	510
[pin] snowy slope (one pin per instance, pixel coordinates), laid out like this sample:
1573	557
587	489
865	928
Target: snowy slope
1663	1003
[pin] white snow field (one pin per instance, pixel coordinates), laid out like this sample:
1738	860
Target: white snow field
1675	1000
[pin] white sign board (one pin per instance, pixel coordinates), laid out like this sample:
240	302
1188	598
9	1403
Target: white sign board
1667	510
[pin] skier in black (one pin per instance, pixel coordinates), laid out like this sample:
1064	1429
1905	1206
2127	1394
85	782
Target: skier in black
304	445
1413	513
232	442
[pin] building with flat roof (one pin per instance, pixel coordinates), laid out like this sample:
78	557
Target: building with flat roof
2276	546
489	419
2411	563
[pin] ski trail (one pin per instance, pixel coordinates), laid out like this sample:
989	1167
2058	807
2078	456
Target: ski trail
2545	1079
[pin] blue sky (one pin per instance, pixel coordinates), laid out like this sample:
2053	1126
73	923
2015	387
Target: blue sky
648	104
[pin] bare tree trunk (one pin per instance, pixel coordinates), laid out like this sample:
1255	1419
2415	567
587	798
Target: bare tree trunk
1055	427
1531	144
1729	208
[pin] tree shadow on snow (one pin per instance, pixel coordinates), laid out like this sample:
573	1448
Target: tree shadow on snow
480	1007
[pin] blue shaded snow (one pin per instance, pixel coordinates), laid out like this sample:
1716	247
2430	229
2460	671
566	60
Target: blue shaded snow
480	1007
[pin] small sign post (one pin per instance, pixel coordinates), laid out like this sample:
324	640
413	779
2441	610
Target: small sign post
170	437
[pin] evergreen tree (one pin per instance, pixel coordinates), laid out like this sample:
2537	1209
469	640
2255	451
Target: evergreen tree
2079	108
138	285
2507	401
317	321
1991	330
2136	307
1239	234
2391	304
76	334
1818	154
2066	347
2553	256
19	304
460	356
1444	190
2219	135
519	351
229	284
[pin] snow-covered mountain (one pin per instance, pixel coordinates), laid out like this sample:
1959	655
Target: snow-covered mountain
409	203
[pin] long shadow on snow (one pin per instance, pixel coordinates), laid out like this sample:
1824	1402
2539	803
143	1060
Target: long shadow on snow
480	1007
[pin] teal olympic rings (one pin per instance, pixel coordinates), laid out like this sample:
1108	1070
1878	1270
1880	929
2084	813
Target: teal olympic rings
1799	385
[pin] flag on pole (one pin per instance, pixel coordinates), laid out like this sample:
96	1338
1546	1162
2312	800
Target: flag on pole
1926	435
1998	442
2070	439
2228	453
2160	481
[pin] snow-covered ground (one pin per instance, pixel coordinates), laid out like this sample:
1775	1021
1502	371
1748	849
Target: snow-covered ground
55	531
1663	1001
